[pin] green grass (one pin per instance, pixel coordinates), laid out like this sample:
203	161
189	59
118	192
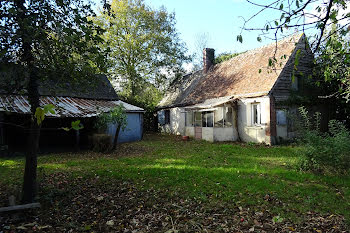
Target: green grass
238	174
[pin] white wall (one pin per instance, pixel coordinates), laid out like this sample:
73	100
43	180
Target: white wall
177	122
189	131
208	134
247	131
225	134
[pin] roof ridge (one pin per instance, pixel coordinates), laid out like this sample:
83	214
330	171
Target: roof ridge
252	51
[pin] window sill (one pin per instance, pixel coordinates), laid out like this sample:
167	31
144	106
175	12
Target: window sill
255	127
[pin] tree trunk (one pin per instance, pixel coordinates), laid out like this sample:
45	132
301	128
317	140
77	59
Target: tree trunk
29	180
116	137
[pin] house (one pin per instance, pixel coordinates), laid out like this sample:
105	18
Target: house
239	99
72	102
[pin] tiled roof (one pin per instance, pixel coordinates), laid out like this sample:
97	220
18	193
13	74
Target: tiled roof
65	106
236	77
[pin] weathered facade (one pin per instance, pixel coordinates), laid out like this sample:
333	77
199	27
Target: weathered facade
239	99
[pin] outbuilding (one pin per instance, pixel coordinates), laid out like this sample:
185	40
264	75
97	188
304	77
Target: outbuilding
72	103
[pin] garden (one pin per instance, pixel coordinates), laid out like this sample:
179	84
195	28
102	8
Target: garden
165	184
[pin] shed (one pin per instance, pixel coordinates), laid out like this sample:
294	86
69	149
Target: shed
134	128
73	102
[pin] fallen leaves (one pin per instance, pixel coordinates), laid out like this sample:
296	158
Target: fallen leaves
100	205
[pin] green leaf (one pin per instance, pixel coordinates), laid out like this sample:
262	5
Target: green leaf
281	6
240	38
270	62
258	38
49	108
65	129
259	71
276	23
76	125
267	27
39	115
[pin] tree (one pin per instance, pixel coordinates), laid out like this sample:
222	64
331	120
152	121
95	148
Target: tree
201	42
225	56
48	40
145	46
314	16
116	116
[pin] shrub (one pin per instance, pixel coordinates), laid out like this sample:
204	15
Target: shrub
324	152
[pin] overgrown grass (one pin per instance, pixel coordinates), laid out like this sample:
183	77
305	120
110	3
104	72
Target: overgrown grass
258	177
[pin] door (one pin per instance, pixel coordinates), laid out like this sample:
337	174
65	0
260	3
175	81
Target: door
198	125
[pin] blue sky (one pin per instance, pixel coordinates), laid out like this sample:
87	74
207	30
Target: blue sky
220	19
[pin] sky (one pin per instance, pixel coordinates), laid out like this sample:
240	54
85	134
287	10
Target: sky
221	20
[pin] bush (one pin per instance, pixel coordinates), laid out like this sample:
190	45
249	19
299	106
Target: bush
324	152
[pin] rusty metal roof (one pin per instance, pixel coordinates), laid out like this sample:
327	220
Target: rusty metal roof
65	106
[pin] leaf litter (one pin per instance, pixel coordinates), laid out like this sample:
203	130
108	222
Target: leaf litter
95	205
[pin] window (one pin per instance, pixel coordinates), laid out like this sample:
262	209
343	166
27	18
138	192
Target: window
161	118
167	116
189	119
295	84
281	117
219	117
228	114
197	119
223	117
256	114
207	119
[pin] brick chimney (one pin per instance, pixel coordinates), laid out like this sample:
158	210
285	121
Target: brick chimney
208	59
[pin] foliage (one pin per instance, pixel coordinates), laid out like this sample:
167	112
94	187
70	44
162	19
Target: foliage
333	64
145	46
148	99
225	56
63	42
51	41
42	111
75	125
116	116
324	152
331	53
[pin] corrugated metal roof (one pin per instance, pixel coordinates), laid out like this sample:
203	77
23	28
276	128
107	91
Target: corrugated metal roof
65	106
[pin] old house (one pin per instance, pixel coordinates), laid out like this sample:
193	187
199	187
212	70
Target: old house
239	99
72	102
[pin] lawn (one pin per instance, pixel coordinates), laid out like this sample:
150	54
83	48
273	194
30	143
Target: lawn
165	184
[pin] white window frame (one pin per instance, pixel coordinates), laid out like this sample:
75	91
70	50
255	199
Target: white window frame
258	107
